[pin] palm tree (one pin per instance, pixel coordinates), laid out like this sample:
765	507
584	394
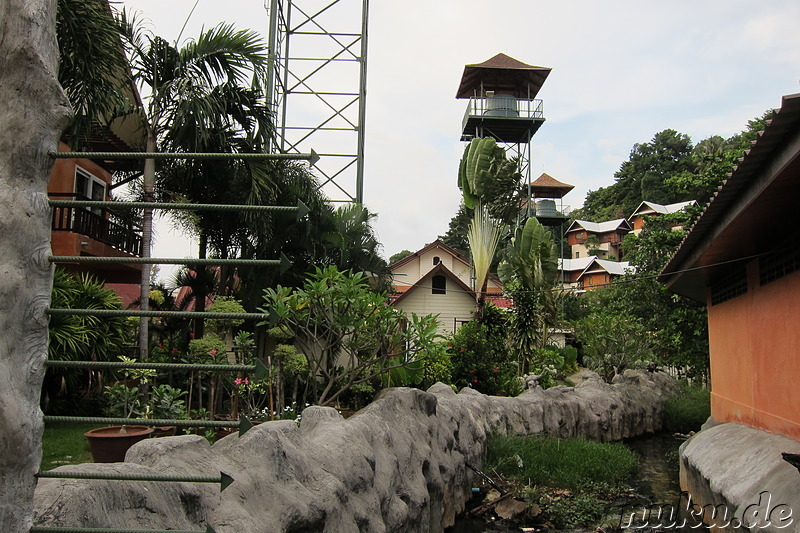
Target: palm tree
92	68
196	101
354	246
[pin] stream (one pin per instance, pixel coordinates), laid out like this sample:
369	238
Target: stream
657	482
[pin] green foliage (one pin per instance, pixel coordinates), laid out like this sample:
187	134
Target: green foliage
436	365
563	463
353	244
479	354
612	343
456	236
687	411
554	364
531	261
166	402
573	511
225	304
483	235
488	178
91	69
348	333
402	254
210	349
294	363
76	338
676	326
80	338
529	271
642	177
123	401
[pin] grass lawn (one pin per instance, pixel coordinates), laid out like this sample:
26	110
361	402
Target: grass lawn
64	444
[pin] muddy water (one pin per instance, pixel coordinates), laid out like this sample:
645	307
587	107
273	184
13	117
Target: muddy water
656	483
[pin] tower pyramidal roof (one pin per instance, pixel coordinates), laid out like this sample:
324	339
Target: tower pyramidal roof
504	75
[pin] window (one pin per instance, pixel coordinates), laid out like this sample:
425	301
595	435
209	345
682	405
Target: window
577	255
438	284
730	286
436	260
89	187
776	266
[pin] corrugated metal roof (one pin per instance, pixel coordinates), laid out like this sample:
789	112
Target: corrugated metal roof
734	195
599	227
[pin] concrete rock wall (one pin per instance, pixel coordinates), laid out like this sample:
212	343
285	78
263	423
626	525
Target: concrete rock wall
398	465
740	470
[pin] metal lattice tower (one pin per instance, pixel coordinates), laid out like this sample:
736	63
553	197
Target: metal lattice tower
317	87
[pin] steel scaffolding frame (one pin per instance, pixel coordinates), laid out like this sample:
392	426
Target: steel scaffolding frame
317	98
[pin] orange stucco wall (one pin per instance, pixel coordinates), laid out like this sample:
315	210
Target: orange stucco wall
754	342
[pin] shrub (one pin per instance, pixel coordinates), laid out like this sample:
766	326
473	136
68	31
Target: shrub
479	354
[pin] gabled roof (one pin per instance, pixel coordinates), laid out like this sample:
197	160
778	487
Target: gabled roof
435	244
425	283
615	268
573	265
600	227
660	209
503	74
749	213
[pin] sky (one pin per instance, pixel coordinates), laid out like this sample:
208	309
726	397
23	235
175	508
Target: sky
622	72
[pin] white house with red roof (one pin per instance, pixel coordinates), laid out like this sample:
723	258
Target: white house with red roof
437	280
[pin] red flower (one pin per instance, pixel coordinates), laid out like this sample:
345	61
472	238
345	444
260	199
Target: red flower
475	380
496	370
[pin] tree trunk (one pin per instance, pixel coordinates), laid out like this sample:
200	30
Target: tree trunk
33	113
201	291
147	238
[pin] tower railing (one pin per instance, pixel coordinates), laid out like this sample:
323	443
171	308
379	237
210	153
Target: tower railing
508	108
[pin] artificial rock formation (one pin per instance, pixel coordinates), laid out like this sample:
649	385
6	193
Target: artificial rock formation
397	465
33	113
737	477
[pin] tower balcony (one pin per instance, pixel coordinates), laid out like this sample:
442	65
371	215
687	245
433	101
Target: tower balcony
504	117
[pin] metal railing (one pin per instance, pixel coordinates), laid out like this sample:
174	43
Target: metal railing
97	224
78	216
521	108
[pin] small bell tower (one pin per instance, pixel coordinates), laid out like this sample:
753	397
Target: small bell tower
503	105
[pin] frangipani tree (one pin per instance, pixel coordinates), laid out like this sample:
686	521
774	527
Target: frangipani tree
348	333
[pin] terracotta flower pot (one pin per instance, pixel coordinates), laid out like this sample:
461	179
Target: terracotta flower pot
109	444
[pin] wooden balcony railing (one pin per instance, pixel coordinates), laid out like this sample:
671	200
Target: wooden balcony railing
101	225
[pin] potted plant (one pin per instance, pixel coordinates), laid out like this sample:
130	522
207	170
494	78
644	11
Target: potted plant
109	444
124	400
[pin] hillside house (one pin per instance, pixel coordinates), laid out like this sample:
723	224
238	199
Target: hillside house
437	280
652	209
587	273
601	239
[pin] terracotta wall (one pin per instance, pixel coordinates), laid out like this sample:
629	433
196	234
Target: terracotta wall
755	341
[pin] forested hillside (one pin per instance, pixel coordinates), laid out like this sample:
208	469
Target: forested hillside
669	169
